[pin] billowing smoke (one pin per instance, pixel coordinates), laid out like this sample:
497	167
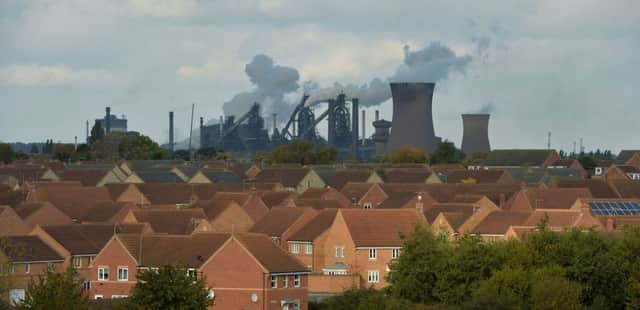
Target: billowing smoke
430	64
486	108
272	83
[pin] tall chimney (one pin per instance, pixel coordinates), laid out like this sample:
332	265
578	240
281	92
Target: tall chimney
331	135
201	132
275	122
107	121
475	137
377	115
171	144
221	125
412	117
354	127
364	126
87	131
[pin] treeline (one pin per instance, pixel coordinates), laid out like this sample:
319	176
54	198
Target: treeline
547	270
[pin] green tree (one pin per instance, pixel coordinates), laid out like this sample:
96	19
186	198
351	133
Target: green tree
407	155
301	152
445	153
83	152
6	153
364	299
587	162
414	274
56	291
170	287
64	152
140	147
97	133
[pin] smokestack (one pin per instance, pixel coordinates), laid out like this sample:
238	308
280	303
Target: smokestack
107	121
377	115
364	126
221	125
171	144
275	118
331	135
201	132
412	117
354	127
87	131
475	137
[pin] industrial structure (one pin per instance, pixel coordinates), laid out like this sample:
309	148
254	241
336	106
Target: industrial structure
111	123
412	117
475	137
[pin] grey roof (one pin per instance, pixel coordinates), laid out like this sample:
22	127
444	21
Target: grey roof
218	176
625	155
516	157
541	175
158	176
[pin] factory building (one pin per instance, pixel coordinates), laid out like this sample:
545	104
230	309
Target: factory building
111	123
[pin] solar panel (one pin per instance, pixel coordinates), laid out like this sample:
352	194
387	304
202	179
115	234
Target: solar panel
616	208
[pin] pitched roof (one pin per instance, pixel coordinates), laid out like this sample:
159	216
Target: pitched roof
342	177
87	177
175	222
517	157
158	176
166	193
277	221
76	201
116	189
598	188
555	218
221	176
105	211
28	249
497	223
627	188
479	176
379	227
213	208
407	175
270	256
26	209
318	203
287	176
456	219
555	198
625	155
628	169
319	224
397	200
356	190
89	239
464	208
272	199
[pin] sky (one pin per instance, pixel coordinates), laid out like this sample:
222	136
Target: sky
569	67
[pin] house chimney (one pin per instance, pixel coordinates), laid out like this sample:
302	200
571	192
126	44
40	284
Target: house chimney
171	144
501	200
107	121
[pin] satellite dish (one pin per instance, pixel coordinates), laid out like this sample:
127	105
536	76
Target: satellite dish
254	297
211	295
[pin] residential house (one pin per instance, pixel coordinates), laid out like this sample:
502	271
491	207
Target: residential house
250	202
215	176
342	177
495	225
225	215
622	172
327	193
628	158
174	221
274	199
153	176
569	163
613	213
364	195
626	189
515	158
41	213
282	222
529	199
478	177
598	187
454	219
296	179
11	223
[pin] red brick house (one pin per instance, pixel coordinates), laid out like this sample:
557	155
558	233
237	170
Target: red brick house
364	195
280	223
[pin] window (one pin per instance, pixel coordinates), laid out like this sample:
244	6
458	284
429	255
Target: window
86	285
395	253
373	276
91	259
308	248
77	262
296	306
339	251
51	267
367	205
103	273
295	248
123	274
97	296
296	280
27	268
274	281
598	170
12	268
191	272
118	296
285	281
373	254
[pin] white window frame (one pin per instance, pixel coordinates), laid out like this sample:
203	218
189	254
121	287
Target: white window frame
77	262
126	270
27	268
296	280
103	273
373	254
373	276
98	296
192	272
119	296
395	253
367	205
339	251
285	281
295	248
308	248
274	281
86	285
12	268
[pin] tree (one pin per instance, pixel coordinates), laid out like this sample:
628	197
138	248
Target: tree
6	153
364	299
301	152
140	147
97	133
34	149
445	153
407	155
83	152
170	287
64	152
587	162
414	274
56	291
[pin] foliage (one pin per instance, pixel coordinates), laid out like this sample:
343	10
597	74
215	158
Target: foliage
6	153
47	148
407	155
170	287
97	133
588	162
34	149
364	299
108	147
64	152
479	156
445	153
140	147
56	291
83	152
299	151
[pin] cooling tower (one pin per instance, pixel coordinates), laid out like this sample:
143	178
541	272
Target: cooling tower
412	123
475	137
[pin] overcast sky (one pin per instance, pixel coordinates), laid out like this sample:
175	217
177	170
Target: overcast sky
570	66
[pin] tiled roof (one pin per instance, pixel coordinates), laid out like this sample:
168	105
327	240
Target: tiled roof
456	219
555	198
221	176
175	222
287	176
628	169
116	189
555	218
497	223
464	208
598	188
516	157
28	249
356	190
166	193
379	227
158	176
397	200
105	211
318	203
277	221
87	177
410	175
272	199
479	176
270	256
75	202
342	177
89	239
213	208
625	155
319	224
627	188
